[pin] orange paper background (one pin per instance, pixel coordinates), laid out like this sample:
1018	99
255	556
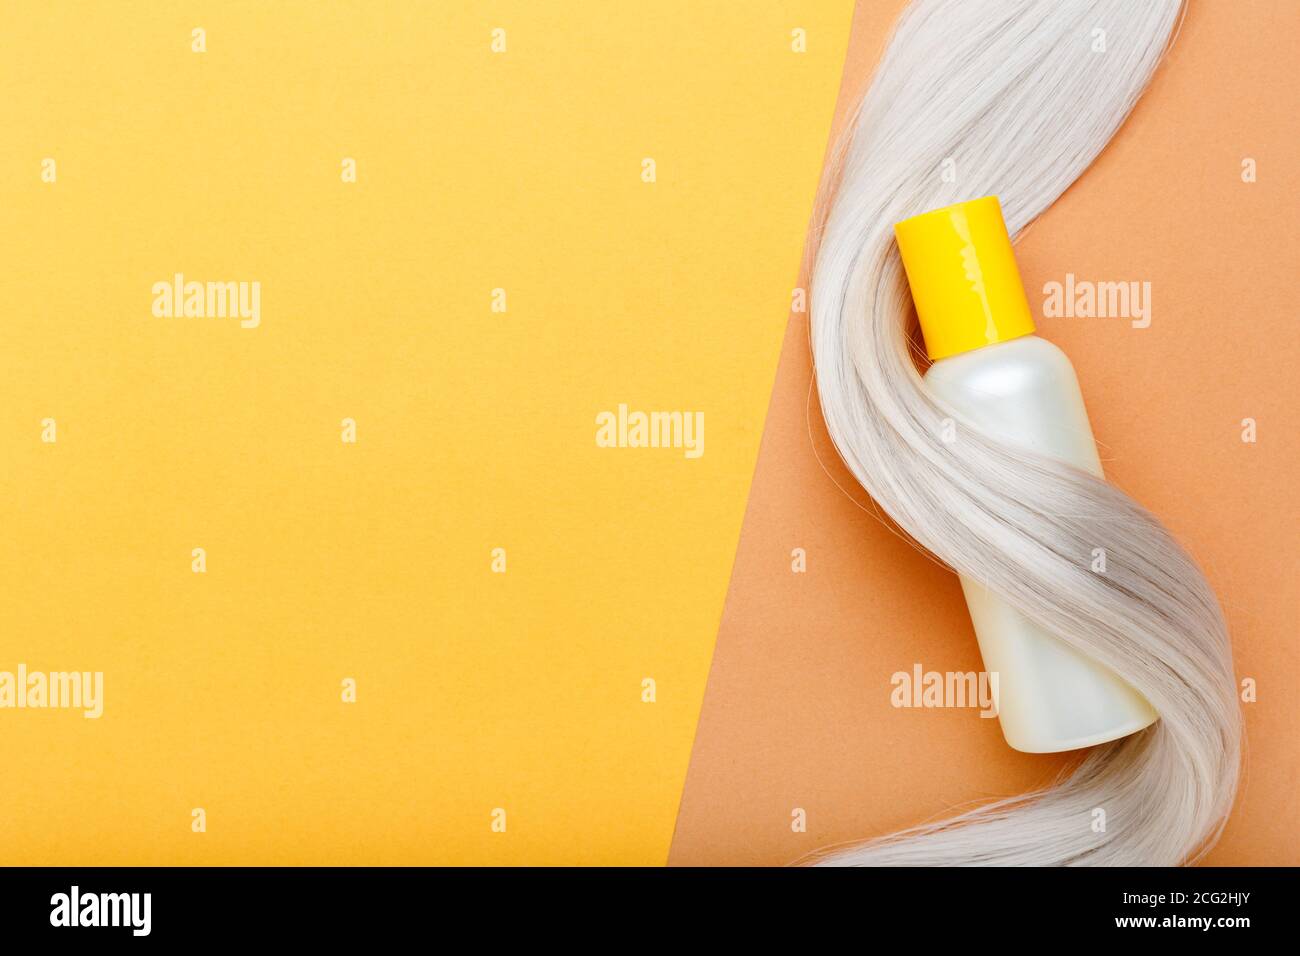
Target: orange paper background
797	712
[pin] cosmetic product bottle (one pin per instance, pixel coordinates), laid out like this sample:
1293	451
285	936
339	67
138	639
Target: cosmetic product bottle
991	369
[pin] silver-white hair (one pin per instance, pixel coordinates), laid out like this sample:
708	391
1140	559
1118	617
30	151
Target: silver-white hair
1021	96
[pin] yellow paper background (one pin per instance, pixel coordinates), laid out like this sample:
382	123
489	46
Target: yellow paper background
476	171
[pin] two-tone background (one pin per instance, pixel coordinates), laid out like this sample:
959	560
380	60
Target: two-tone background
473	635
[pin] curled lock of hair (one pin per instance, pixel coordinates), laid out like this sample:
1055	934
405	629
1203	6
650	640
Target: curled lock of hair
1019	96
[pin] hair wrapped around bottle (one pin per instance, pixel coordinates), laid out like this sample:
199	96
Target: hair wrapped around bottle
1016	98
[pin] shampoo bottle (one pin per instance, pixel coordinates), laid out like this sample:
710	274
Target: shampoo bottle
991	369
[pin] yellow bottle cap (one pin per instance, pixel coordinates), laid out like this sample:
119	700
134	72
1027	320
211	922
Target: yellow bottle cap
963	275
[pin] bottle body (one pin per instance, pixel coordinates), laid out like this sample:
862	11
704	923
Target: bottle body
1050	697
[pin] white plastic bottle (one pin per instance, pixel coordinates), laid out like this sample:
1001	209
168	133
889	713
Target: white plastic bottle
996	373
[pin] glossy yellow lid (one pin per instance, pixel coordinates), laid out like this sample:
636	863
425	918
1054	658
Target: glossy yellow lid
964	278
